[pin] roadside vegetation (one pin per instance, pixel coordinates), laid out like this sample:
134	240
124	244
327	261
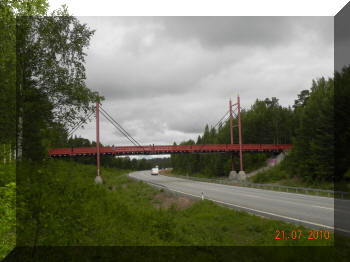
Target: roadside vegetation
7	208
271	175
280	176
60	205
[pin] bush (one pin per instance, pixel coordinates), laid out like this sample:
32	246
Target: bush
7	209
273	174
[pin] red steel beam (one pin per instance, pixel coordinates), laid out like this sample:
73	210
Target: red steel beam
168	149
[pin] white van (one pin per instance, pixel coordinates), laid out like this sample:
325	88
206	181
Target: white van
155	171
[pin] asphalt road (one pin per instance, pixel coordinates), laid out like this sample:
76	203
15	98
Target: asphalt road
311	211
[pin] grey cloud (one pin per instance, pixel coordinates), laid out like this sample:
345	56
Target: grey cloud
164	78
342	38
222	31
167	72
247	31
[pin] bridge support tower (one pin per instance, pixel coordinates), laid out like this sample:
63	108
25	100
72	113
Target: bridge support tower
98	178
233	174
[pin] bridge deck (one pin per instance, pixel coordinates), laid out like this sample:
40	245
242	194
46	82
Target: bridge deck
168	149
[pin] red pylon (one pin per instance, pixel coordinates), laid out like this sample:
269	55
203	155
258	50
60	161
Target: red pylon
240	133
98	137
231	134
238	104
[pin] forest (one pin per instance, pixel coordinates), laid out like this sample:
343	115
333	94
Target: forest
309	125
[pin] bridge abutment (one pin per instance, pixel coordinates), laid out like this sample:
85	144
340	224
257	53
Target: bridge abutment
240	176
232	175
99	180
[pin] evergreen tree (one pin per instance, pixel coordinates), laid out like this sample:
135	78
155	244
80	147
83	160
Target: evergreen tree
312	155
342	123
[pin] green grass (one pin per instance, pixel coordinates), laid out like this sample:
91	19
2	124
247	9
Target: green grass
270	175
278	175
59	205
62	206
7	208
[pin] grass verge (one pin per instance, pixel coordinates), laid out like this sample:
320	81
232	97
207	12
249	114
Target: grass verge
60	205
278	175
7	208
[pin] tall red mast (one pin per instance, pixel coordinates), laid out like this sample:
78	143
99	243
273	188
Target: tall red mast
98	137
240	133
231	133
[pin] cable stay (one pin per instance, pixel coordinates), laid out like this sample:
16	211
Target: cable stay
224	121
110	120
221	119
77	126
227	117
120	128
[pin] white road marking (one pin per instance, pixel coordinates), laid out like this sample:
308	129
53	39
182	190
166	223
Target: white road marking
330	208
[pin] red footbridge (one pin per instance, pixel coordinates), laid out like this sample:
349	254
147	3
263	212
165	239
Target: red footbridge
138	149
172	149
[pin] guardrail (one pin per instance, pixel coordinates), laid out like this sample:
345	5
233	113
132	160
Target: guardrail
290	189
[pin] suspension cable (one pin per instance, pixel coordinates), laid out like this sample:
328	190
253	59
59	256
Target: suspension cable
124	131
77	126
221	119
120	128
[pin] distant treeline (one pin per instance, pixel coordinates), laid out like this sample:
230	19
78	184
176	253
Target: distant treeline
115	162
308	125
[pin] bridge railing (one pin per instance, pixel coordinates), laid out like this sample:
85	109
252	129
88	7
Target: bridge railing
168	149
289	189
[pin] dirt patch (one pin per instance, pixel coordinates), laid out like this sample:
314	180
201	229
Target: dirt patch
165	200
166	172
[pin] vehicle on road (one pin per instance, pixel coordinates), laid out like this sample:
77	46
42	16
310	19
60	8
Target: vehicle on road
155	171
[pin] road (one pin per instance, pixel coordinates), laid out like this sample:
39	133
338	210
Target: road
310	211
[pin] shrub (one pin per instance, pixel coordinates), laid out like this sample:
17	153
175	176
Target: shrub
7	210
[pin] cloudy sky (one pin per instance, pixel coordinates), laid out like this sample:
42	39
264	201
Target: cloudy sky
164	78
